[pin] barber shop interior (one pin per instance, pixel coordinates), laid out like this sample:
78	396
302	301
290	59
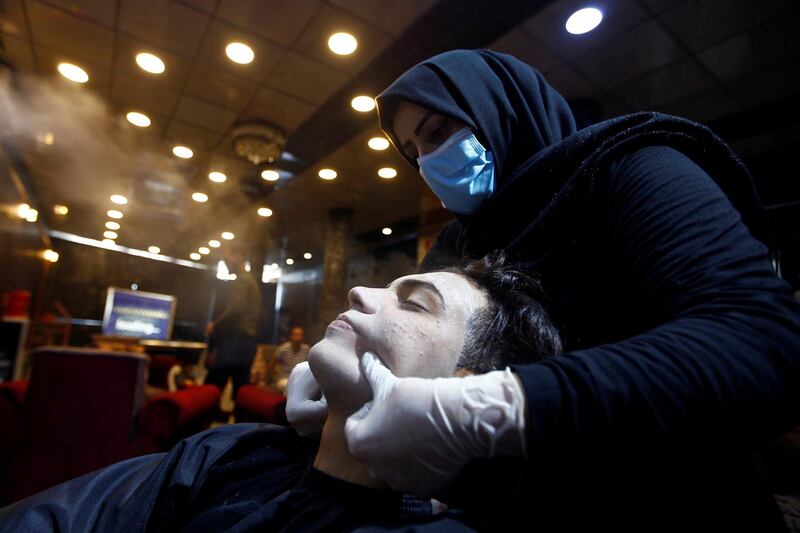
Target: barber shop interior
416	265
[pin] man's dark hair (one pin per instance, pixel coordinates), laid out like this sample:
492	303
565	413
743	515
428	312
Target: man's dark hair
514	327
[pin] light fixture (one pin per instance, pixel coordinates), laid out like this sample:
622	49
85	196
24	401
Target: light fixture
204	250
214	243
217	177
109	242
378	143
194	256
290	261
112	225
270	175
327	174
46	138
363	103
386	231
307	255
32	215
199	197
110	234
119	199
138	119
387	173
150	63
154	249
73	72
240	53
59	209
184	152
113	213
50	255
584	20
342	43
270	273
247	266
227	235
22	210
264	211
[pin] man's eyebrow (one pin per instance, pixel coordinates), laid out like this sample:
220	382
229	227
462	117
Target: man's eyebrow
411	284
421	124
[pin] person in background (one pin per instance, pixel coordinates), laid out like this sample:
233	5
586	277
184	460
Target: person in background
287	356
232	334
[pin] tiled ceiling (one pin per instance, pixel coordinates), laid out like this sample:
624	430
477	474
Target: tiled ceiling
711	60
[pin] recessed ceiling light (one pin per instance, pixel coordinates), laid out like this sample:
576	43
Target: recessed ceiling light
112	225
227	235
32	215
183	152
138	119
214	243
204	250
50	255
119	199
47	138
307	255
194	256
270	175
240	53
363	103
386	231
73	72
154	250
387	173
584	20
327	174
342	43
59	209
113	213
110	234
151	63
22	210
217	177
265	211
199	197
290	261
378	143
109	242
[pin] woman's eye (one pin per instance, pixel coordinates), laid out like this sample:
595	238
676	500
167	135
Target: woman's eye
437	133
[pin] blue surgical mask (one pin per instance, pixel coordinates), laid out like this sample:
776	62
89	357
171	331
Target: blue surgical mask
460	172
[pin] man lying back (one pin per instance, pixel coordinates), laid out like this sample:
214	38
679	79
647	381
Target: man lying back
246	477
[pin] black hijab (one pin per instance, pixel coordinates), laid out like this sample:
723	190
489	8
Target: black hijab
544	168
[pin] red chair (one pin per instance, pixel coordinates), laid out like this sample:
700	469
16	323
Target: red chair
257	404
85	409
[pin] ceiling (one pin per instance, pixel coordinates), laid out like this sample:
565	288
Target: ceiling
733	65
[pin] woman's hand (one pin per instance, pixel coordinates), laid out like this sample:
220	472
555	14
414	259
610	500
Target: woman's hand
306	407
416	434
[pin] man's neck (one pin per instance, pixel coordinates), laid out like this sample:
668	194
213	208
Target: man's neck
334	458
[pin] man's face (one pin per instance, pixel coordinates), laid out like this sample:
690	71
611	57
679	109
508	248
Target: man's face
296	335
417	326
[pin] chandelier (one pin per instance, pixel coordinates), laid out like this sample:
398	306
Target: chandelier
258	141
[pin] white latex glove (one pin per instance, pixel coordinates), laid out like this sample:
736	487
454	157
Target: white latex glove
306	407
416	434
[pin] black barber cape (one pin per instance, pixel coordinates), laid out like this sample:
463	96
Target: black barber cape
241	477
682	347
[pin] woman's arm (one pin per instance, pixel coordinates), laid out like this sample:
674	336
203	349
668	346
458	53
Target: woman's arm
725	364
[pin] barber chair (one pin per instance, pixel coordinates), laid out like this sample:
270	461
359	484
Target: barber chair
259	404
85	409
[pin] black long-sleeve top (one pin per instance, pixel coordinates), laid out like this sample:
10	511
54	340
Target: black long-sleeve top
682	355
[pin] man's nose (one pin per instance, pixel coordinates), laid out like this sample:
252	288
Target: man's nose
362	299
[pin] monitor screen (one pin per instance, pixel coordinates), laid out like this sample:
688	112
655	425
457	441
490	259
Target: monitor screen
145	315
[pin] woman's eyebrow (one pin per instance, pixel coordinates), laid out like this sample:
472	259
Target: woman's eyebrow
421	124
411	284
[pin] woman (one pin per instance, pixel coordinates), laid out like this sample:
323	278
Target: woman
682	346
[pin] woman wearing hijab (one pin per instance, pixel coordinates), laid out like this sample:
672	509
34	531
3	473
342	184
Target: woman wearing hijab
682	346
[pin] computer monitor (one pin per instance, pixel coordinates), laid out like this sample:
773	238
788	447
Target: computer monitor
144	315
